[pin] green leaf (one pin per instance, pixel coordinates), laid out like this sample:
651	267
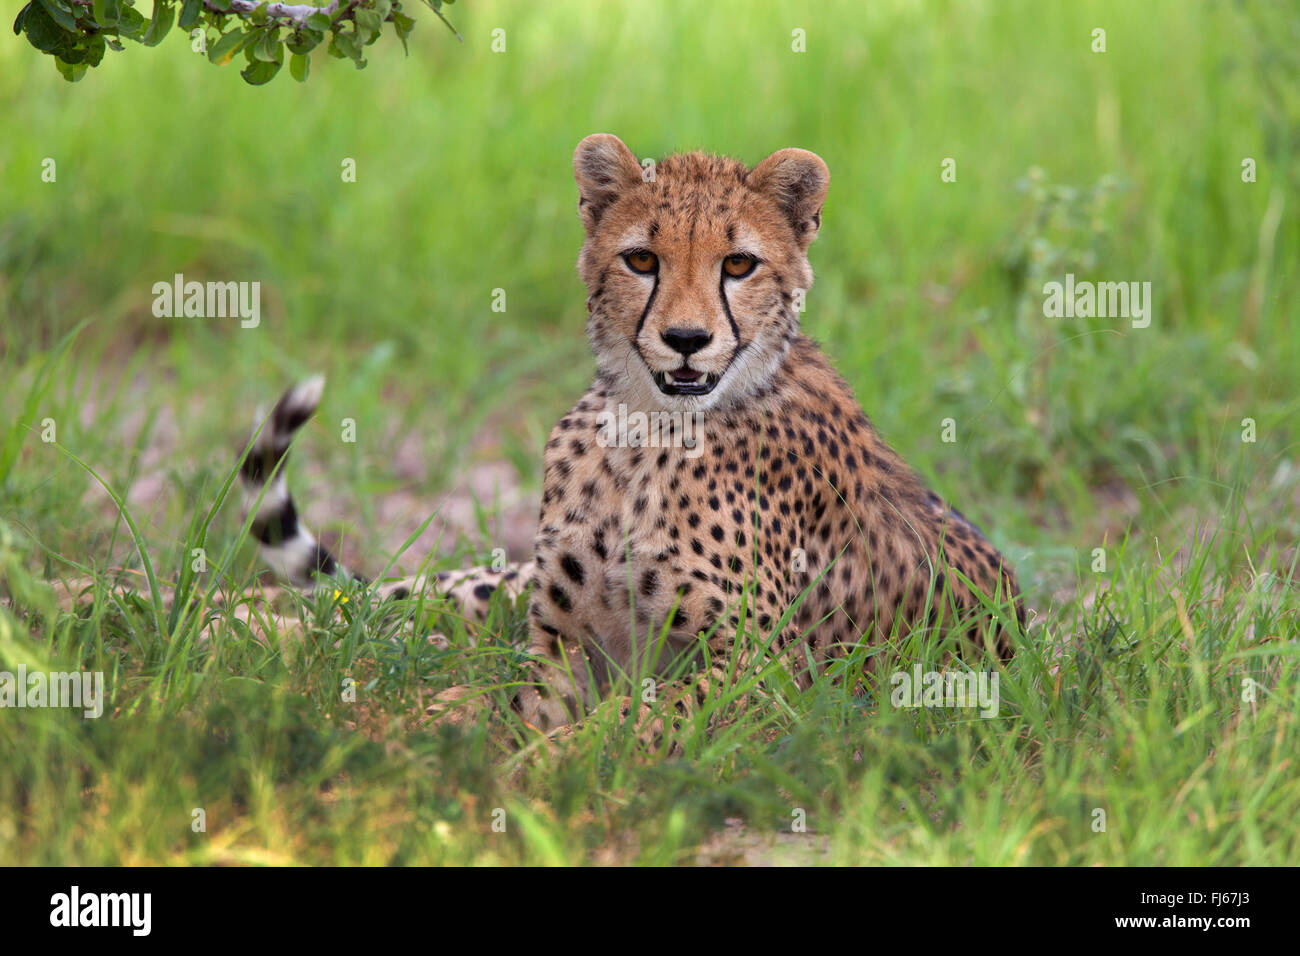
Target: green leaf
303	41
62	17
163	18
299	67
259	72
224	50
22	15
72	72
106	12
320	21
189	13
403	25
95	47
73	54
43	33
347	45
268	48
130	22
369	25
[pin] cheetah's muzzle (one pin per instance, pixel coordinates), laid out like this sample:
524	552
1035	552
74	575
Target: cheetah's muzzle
686	381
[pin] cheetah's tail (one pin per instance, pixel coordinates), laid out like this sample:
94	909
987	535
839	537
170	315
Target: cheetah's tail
287	546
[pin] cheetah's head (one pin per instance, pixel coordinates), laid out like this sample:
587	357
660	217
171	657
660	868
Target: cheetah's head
694	269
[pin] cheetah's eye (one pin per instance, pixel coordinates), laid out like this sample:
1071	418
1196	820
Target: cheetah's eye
638	260
737	267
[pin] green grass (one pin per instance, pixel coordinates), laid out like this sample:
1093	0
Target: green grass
1126	695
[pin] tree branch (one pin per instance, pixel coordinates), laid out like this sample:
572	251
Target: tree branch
297	12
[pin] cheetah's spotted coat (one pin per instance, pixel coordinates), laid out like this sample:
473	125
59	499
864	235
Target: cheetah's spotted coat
693	278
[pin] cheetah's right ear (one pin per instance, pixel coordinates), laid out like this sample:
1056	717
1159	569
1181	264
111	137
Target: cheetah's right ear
604	167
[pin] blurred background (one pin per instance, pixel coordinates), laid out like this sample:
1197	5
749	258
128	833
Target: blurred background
1123	165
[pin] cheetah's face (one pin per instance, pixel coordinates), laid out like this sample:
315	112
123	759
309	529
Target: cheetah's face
694	272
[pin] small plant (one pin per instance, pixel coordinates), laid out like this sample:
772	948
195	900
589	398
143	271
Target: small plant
77	32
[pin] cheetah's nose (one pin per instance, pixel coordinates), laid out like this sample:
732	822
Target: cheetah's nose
687	341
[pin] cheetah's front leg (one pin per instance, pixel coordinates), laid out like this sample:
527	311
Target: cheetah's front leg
562	692
560	674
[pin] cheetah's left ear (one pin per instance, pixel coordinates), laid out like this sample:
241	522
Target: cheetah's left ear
797	180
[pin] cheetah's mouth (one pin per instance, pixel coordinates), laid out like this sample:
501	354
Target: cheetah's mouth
686	381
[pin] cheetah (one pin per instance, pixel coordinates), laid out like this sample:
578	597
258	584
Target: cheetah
757	480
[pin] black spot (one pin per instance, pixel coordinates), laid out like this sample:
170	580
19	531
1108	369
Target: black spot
573	569
325	562
278	527
560	598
